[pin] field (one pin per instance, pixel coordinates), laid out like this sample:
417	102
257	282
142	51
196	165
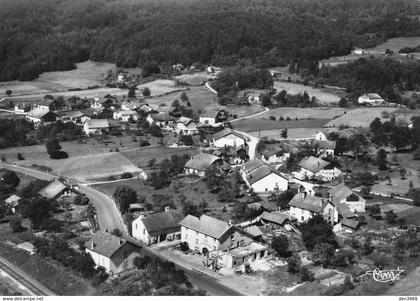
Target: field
196	79
360	117
324	96
194	191
292	133
140	157
395	44
303	113
86	75
252	125
161	87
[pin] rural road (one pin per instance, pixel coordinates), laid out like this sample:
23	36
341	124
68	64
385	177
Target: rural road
109	218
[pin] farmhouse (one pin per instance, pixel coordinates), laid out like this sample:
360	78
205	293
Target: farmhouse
125	115
103	103
113	253
162	120
199	163
228	137
47	103
262	178
57	189
186	126
320	136
341	194
76	117
213	118
41	116
325	148
277	219
95	126
313	167
371	99
22	108
158	227
274	155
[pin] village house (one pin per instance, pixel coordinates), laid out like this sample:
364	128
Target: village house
57	189
162	120
41	116
12	202
227	244
77	117
274	155
125	115
186	126
344	195
103	103
228	137
96	126
320	136
22	107
316	168
113	253
200	163
262	178
371	99
304	206
277	219
48	104
325	148
213	118
158	227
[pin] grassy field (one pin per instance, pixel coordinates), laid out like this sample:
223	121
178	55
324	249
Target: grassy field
292	133
86	75
194	191
303	113
324	96
161	87
360	117
395	44
254	125
140	157
196	79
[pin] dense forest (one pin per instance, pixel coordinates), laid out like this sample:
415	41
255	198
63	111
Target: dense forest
46	35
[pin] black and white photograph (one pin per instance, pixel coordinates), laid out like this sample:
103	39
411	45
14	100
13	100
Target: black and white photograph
209	148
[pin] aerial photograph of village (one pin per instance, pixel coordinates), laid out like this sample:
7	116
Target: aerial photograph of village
209	148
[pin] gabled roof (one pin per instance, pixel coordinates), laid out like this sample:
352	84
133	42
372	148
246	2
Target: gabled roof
185	120
45	102
260	173
12	200
373	96
162	117
72	114
252	165
350	223
162	222
313	164
206	224
271	150
325	144
276	217
105	244
227	131
52	189
201	161
255	231
344	210
340	192
98	123
39	113
127	112
309	202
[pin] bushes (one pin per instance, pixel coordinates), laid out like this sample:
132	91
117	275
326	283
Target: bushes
293	264
144	143
280	244
126	175
58	155
81	200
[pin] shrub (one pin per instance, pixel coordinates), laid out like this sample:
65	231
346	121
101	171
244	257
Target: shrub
117	232
293	264
184	246
58	155
15	223
20	157
81	200
126	175
272	117
144	143
306	275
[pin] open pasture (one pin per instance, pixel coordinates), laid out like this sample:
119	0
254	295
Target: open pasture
161	87
195	79
324	97
360	117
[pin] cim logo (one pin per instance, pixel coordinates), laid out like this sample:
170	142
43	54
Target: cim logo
385	275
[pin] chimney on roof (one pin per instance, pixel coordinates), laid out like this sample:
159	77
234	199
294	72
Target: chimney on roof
167	208
230	222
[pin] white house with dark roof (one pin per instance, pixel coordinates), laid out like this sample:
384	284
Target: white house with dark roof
213	118
325	148
199	163
157	227
372	99
227	244
313	167
262	178
304	207
95	126
345	195
113	253
41	116
228	137
163	120
186	126
274	155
